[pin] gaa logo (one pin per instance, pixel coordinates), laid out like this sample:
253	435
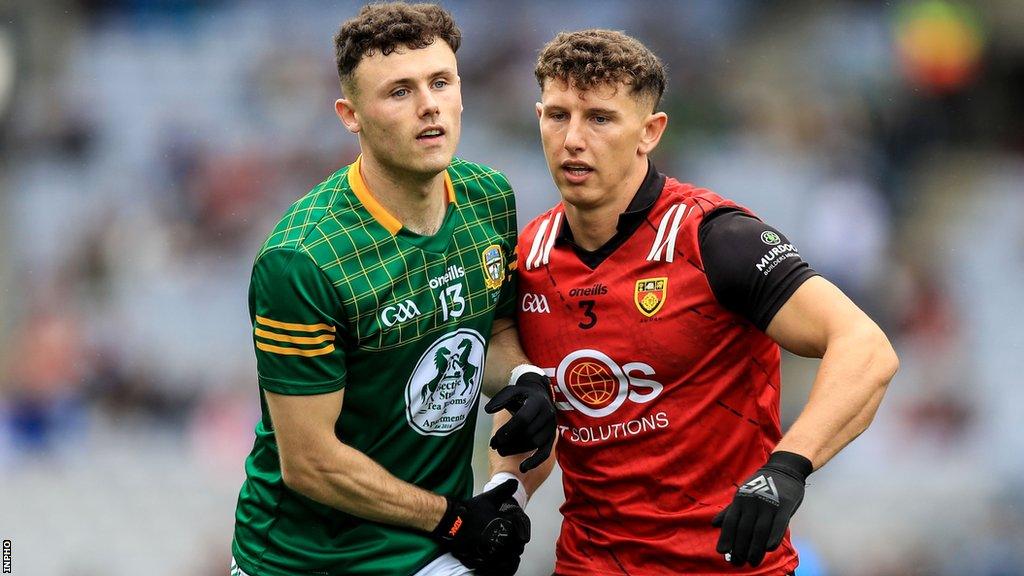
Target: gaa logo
537	303
398	313
597	386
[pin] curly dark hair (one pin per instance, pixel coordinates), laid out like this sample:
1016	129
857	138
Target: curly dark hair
587	58
388	26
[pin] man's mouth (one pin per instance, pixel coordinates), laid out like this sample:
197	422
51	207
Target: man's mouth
430	133
577	168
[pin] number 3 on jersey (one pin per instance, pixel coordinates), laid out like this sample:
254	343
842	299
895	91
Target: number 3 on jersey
588	313
452	302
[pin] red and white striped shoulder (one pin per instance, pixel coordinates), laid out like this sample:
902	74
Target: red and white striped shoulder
663	248
677	215
539	237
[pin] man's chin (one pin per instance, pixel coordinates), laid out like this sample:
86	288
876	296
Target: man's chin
581	196
432	164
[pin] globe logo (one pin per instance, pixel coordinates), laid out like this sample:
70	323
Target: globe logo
592	382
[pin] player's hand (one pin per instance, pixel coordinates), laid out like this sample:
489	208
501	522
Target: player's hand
487	532
756	520
532	426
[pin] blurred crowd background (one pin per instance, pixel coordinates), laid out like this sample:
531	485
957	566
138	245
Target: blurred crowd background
148	146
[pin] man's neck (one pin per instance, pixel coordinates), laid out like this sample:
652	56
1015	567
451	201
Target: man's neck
418	203
593	226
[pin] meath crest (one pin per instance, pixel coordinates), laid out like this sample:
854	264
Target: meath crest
650	295
494	266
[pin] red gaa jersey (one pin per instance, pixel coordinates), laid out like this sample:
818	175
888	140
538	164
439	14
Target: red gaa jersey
667	400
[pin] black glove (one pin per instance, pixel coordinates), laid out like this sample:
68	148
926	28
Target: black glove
757	518
532	426
488	532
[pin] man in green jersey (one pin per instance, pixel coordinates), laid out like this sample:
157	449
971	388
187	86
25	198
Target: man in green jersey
373	304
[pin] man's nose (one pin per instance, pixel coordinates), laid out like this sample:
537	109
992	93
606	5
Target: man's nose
428	104
574	141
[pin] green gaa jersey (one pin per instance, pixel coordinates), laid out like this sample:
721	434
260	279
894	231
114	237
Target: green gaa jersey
343	297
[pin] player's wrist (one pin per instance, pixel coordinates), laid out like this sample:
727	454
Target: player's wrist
797	466
444	529
533	377
520	495
522	369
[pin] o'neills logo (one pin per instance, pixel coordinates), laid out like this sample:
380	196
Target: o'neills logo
452	273
595	290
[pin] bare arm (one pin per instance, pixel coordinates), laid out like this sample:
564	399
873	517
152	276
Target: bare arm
532	479
857	364
504	354
316	464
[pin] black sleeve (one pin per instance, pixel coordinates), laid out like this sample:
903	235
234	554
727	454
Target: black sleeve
751	267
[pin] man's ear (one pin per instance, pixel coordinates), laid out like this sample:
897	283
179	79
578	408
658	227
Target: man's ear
347	114
540	110
654	127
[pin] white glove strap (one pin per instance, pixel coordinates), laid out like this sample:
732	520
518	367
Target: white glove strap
499	478
523	369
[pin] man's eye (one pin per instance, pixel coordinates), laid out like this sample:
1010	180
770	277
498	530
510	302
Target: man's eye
400	92
601	119
440	83
558	116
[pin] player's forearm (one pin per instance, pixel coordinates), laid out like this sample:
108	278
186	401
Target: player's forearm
346	479
530	480
851	381
503	354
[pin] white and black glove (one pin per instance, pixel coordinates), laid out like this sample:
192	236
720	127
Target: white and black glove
487	532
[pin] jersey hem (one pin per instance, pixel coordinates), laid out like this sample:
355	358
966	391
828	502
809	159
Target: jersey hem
288	388
562	569
248	567
251	569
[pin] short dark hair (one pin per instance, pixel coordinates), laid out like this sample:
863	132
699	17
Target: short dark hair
586	58
388	26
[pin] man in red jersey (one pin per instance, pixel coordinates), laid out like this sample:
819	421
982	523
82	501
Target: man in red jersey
658	309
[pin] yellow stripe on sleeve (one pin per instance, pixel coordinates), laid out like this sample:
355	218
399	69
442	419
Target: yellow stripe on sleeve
294	339
294	351
294	327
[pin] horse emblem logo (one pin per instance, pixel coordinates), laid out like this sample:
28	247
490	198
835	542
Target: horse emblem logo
445	383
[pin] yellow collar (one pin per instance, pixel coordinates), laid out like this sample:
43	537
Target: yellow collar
376	209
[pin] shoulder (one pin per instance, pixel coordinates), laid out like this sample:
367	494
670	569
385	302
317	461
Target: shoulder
288	286
477	178
701	201
678	216
544	224
302	219
538	238
687	206
279	266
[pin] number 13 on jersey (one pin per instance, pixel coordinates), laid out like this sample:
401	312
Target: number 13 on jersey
452	302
